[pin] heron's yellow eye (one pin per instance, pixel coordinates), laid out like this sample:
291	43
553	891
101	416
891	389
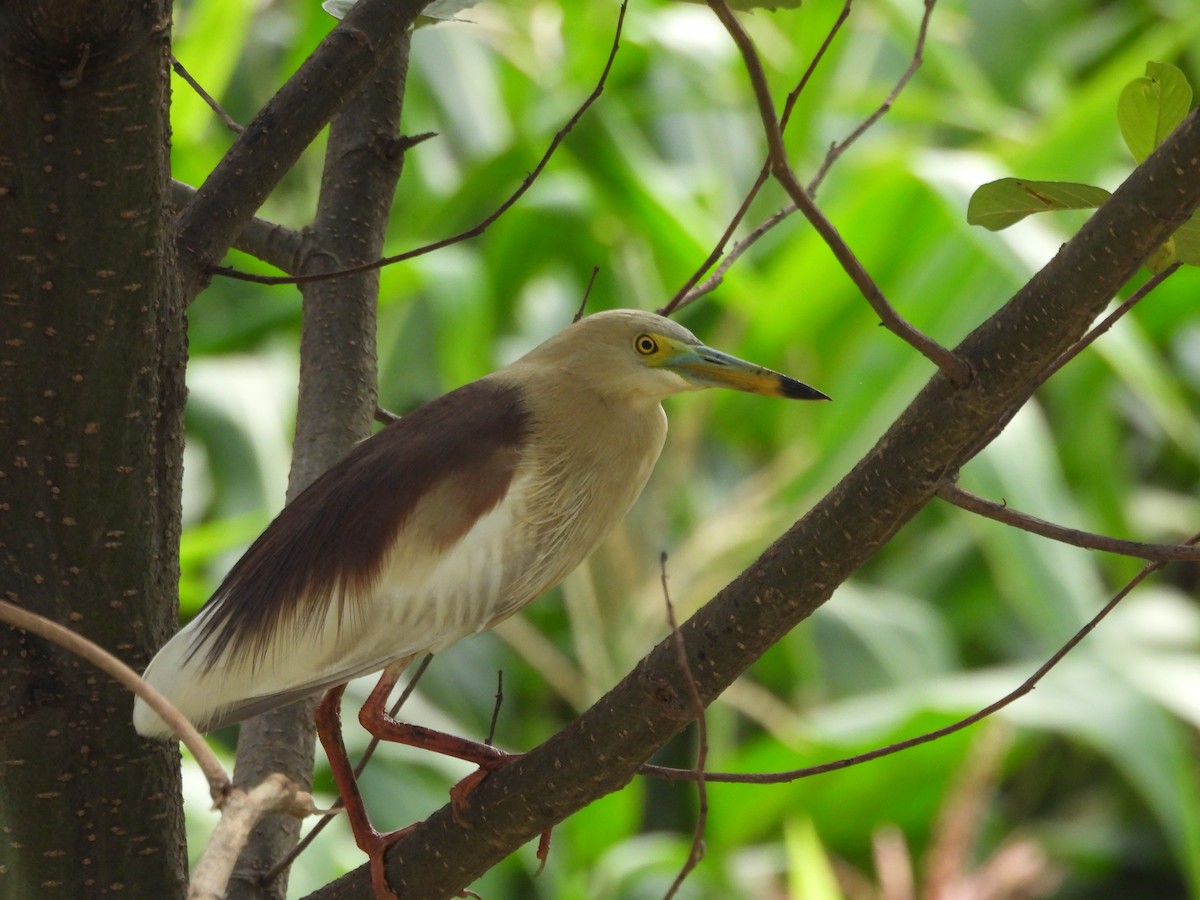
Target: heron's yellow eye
645	344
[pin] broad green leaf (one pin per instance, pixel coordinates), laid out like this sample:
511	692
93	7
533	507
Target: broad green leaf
1150	107
998	204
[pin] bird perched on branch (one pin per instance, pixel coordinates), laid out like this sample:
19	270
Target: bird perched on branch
443	524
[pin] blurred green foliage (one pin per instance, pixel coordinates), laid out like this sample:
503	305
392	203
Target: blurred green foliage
1095	778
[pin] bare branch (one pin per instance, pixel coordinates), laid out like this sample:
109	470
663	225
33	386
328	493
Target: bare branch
242	810
1082	344
216	107
473	231
587	292
336	399
963	499
274	140
689	293
953	367
218	780
1109	321
713	281
385	417
836	149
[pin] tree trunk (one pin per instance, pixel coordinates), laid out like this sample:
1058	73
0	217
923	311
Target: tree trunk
91	398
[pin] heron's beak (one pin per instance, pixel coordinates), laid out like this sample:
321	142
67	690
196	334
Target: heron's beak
706	367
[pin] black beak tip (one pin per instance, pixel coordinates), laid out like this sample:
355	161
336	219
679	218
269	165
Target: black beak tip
798	390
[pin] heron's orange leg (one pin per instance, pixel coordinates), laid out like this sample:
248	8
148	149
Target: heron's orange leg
369	841
375	717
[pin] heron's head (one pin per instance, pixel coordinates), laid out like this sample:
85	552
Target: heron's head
640	354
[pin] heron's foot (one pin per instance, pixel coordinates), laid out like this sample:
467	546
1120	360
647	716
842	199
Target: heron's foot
460	799
376	845
460	794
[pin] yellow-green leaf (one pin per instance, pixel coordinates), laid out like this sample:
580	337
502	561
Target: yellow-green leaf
999	204
1162	258
1150	107
810	874
1187	241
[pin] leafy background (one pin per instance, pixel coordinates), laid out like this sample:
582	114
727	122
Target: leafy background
1091	782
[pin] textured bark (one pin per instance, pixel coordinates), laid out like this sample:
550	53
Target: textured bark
939	432
91	398
337	393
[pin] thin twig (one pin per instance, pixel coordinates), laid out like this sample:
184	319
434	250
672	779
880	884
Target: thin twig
836	149
950	365
218	779
587	292
688	293
999	512
696	852
1025	687
282	866
471	232
491	735
386	417
229	121
713	281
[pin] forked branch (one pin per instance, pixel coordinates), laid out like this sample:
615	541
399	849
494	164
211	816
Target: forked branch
475	230
952	366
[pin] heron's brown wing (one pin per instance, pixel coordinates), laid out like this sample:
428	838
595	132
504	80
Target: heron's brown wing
328	547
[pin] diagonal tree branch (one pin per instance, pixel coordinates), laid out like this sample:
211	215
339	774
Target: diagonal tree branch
600	751
836	149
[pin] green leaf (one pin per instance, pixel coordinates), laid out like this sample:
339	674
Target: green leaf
1187	241
1150	107
999	204
1162	258
810	875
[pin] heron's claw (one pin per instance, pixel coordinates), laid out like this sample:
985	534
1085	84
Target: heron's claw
460	794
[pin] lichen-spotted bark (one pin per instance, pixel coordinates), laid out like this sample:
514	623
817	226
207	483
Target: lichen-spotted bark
91	390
